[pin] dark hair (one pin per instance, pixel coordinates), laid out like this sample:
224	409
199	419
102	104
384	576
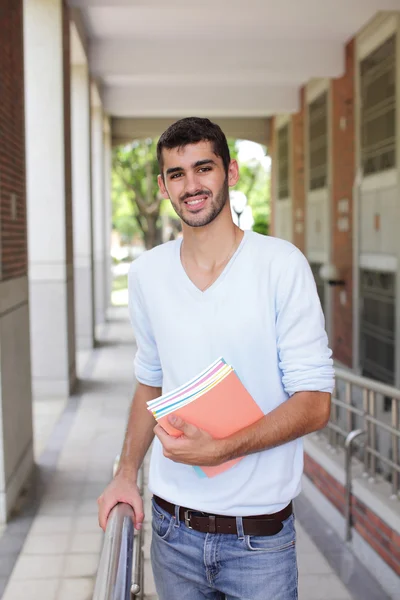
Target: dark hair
191	131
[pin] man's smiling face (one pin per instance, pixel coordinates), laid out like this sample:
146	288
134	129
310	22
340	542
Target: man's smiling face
195	181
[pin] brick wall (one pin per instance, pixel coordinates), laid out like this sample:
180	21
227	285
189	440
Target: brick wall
384	540
13	240
67	133
343	173
297	172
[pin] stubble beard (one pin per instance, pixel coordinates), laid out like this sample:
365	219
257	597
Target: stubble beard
214	210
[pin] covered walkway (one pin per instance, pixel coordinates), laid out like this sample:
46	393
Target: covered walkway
51	549
318	84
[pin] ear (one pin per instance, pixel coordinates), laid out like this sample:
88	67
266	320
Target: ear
163	189
233	173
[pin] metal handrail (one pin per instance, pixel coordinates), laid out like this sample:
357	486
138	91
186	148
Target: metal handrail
114	575
119	576
353	435
368	416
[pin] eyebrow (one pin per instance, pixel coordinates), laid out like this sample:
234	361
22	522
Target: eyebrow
199	163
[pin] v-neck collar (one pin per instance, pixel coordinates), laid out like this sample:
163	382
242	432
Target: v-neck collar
192	286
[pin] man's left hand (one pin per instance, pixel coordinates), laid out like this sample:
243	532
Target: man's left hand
194	447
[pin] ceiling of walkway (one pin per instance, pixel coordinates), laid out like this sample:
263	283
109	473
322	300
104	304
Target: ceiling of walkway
219	58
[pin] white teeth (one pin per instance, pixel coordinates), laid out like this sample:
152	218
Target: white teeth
193	202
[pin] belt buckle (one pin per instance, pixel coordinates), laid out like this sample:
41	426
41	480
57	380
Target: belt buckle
187	519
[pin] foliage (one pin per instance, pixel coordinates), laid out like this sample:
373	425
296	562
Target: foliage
136	198
255	183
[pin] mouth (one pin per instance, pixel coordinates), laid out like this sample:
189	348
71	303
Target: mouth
196	204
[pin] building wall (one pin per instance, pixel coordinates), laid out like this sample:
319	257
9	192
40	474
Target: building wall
298	167
377	533
271	152
67	133
350	223
12	147
343	174
283	207
16	438
322	220
69	251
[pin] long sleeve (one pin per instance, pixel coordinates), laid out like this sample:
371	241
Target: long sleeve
147	362
304	356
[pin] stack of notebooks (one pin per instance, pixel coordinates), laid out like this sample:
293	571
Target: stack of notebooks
215	401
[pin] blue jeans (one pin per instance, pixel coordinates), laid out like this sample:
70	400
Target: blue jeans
189	565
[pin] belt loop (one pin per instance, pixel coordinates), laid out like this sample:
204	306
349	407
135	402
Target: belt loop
239	527
177	508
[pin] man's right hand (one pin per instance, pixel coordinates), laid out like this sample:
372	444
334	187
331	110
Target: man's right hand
121	489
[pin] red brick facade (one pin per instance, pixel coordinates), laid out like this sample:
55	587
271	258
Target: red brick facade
384	540
13	237
342	151
343	173
297	174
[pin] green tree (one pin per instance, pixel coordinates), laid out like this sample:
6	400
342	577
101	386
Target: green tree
136	198
255	183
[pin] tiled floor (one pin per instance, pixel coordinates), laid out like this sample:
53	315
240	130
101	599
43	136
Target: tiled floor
60	552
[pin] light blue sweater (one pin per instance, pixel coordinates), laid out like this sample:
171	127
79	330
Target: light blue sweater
264	317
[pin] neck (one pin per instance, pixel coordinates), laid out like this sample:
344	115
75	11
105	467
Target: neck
208	246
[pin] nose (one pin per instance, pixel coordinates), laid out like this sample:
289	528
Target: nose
192	184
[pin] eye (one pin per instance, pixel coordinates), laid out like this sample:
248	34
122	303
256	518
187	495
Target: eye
176	175
205	169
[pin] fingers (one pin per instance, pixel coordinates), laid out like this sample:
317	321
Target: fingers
161	434
115	494
138	513
187	429
105	507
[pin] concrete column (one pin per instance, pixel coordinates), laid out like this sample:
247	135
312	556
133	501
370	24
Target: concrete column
107	208
16	436
99	241
82	207
47	110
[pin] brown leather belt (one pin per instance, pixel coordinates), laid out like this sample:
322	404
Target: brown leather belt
208	523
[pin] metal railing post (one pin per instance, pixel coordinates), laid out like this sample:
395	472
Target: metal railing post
119	576
114	575
395	447
348	448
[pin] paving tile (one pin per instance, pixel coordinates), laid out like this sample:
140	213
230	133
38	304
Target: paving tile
86	542
87	507
76	589
60	508
147	541
148	585
51	543
7	564
81	565
11	544
38	567
52	524
87	524
322	587
32	590
312	563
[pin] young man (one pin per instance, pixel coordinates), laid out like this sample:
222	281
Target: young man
251	299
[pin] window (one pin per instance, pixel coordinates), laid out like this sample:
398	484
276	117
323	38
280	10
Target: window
377	325
378	109
318	142
315	267
283	162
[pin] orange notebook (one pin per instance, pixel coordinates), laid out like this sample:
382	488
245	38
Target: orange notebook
221	411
